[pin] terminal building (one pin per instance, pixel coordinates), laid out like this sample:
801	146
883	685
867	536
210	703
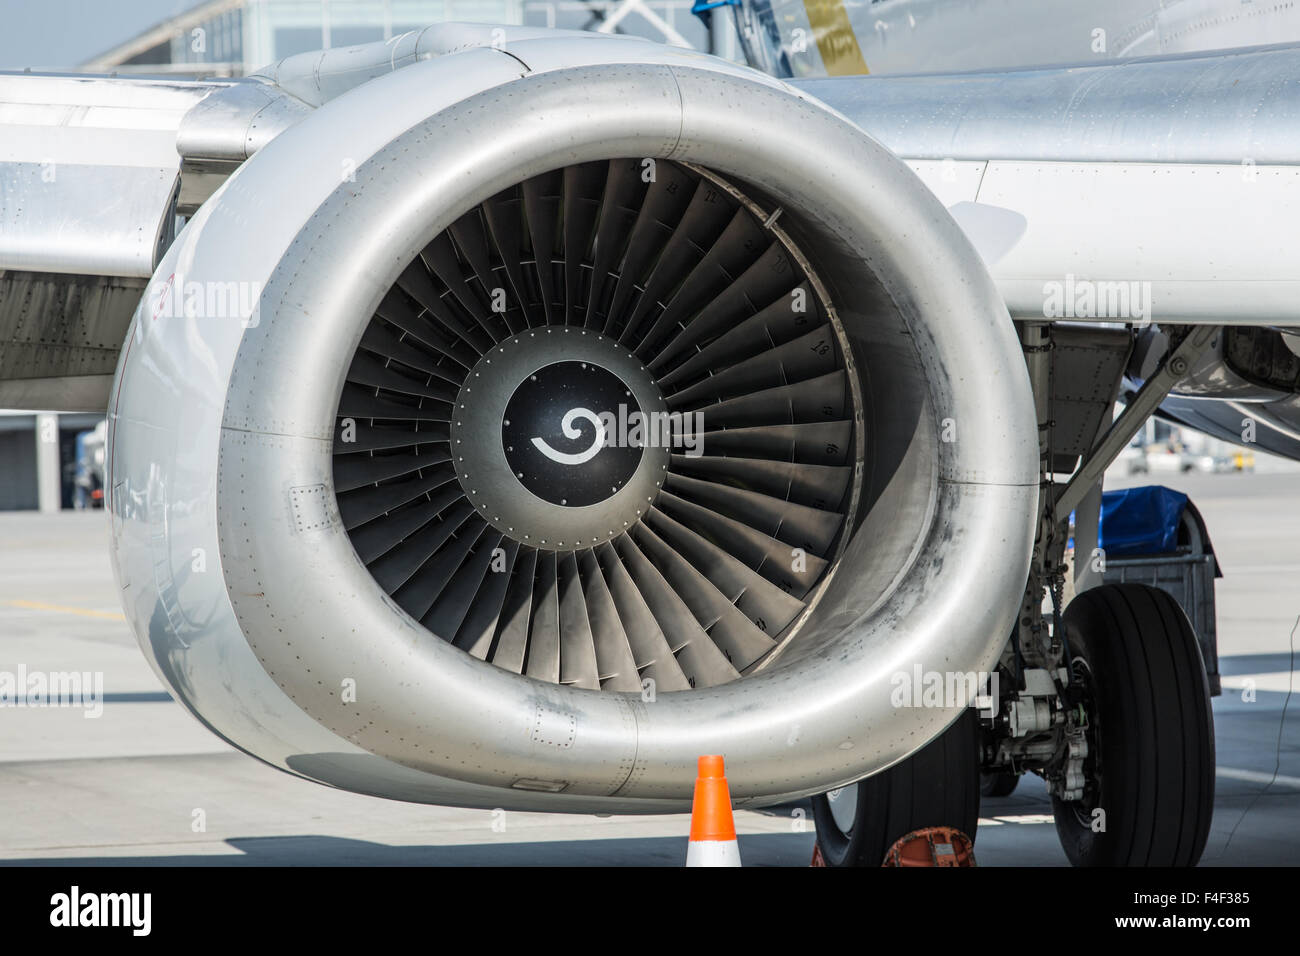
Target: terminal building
236	37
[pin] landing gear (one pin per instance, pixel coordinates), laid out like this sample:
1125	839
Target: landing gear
1108	703
1149	791
936	786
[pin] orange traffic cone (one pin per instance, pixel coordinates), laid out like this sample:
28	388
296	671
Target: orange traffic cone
713	830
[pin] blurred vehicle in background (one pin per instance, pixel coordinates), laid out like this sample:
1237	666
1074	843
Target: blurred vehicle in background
1133	459
1162	448
88	481
1170	457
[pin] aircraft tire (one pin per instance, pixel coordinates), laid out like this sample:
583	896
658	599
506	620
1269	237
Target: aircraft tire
939	785
1150	767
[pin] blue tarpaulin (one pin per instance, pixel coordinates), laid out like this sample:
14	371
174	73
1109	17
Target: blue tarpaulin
1141	520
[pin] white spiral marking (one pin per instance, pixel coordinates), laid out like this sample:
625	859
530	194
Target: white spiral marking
566	425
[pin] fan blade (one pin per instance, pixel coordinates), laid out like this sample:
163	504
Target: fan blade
409	319
471	240
614	662
654	658
812	443
356	471
541	202
803	358
665	201
448	612
770	608
582	188
624	190
577	642
417	595
818	486
398	567
735	278
445	361
705	220
373	373
742	641
796	525
379	537
480	623
440	256
349	440
544	629
419	285
502	213
511	641
778	562
357	402
698	657
728	343
366	504
819	399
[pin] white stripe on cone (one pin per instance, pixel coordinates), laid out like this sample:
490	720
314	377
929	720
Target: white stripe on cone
713	853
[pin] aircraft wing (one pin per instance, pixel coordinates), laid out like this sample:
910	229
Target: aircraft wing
93	186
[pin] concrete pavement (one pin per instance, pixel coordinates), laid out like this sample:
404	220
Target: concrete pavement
144	783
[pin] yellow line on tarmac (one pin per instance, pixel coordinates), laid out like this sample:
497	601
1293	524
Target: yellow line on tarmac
836	41
62	609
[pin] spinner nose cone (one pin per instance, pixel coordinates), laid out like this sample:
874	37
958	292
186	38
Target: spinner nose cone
572	433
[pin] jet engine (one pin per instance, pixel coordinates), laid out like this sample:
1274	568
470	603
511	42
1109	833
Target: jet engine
527	421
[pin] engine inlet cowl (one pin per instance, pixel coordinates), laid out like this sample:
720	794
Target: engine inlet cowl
449	570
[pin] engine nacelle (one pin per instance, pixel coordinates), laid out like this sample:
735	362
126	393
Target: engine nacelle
381	527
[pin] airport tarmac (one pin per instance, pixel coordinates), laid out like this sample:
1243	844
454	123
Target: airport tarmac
133	785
